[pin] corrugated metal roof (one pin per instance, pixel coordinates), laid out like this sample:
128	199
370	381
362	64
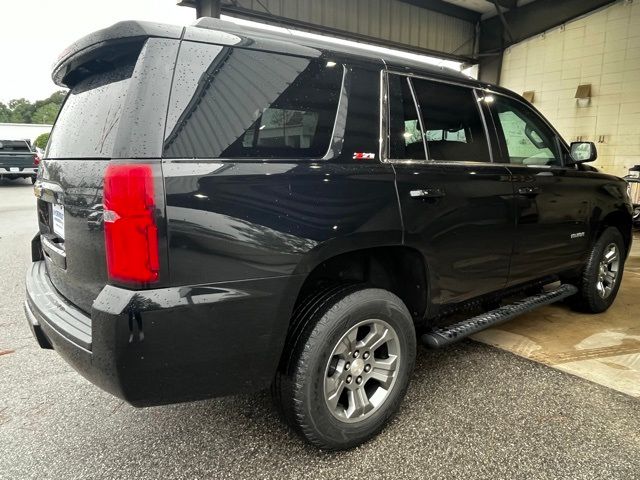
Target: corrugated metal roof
389	20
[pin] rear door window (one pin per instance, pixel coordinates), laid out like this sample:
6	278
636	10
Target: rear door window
240	103
452	120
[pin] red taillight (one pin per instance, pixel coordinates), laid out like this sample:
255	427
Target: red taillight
36	160
131	234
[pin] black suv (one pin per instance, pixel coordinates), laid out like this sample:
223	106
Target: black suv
224	209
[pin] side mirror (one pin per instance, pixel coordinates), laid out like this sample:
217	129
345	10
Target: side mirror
582	152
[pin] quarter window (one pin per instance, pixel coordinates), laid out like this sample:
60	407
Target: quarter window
239	103
528	140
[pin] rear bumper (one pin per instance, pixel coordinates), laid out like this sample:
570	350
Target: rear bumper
27	171
152	347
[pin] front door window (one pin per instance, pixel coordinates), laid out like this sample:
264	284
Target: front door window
528	140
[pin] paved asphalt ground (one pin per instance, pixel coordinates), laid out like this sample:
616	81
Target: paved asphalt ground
471	412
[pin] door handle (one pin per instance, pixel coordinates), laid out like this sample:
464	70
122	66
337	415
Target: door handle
427	193
529	190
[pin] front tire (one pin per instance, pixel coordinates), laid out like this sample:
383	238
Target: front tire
346	371
602	274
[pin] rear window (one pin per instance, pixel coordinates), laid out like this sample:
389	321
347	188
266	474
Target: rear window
88	122
239	103
14	146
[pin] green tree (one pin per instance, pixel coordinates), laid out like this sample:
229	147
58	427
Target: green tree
41	141
5	113
55	97
46	113
21	110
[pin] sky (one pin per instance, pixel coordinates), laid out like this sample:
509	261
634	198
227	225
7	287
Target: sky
35	32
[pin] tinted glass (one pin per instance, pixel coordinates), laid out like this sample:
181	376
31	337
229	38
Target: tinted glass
14	146
237	103
452	120
88	122
405	135
529	141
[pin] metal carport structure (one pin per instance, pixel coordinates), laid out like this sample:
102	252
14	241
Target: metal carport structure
468	31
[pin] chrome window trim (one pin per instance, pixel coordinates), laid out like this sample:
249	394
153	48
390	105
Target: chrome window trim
433	78
340	121
385	113
485	125
383	140
334	149
416	105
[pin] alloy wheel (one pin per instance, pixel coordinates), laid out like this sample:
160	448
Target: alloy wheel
608	270
362	370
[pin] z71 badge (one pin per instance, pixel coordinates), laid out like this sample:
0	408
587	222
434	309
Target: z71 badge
364	156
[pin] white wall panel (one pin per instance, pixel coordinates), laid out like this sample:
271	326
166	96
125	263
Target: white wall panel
602	49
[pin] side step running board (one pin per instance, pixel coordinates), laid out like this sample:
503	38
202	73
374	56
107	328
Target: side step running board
447	335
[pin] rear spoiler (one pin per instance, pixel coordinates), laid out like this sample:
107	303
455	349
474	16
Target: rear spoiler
109	43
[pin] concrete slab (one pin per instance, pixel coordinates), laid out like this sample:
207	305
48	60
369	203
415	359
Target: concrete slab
601	348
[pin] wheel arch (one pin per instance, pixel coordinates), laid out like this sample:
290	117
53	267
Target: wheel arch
622	220
398	268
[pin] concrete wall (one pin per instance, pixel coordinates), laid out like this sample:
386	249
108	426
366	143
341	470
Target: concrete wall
602	49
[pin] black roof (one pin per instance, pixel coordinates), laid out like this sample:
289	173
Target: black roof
211	30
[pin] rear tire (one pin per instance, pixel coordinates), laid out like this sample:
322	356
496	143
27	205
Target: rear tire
346	365
600	280
33	180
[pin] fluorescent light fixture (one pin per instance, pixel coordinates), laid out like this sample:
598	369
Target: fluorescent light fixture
341	41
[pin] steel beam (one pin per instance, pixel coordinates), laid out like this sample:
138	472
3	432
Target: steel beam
453	40
264	17
204	8
536	17
524	22
447	9
509	4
